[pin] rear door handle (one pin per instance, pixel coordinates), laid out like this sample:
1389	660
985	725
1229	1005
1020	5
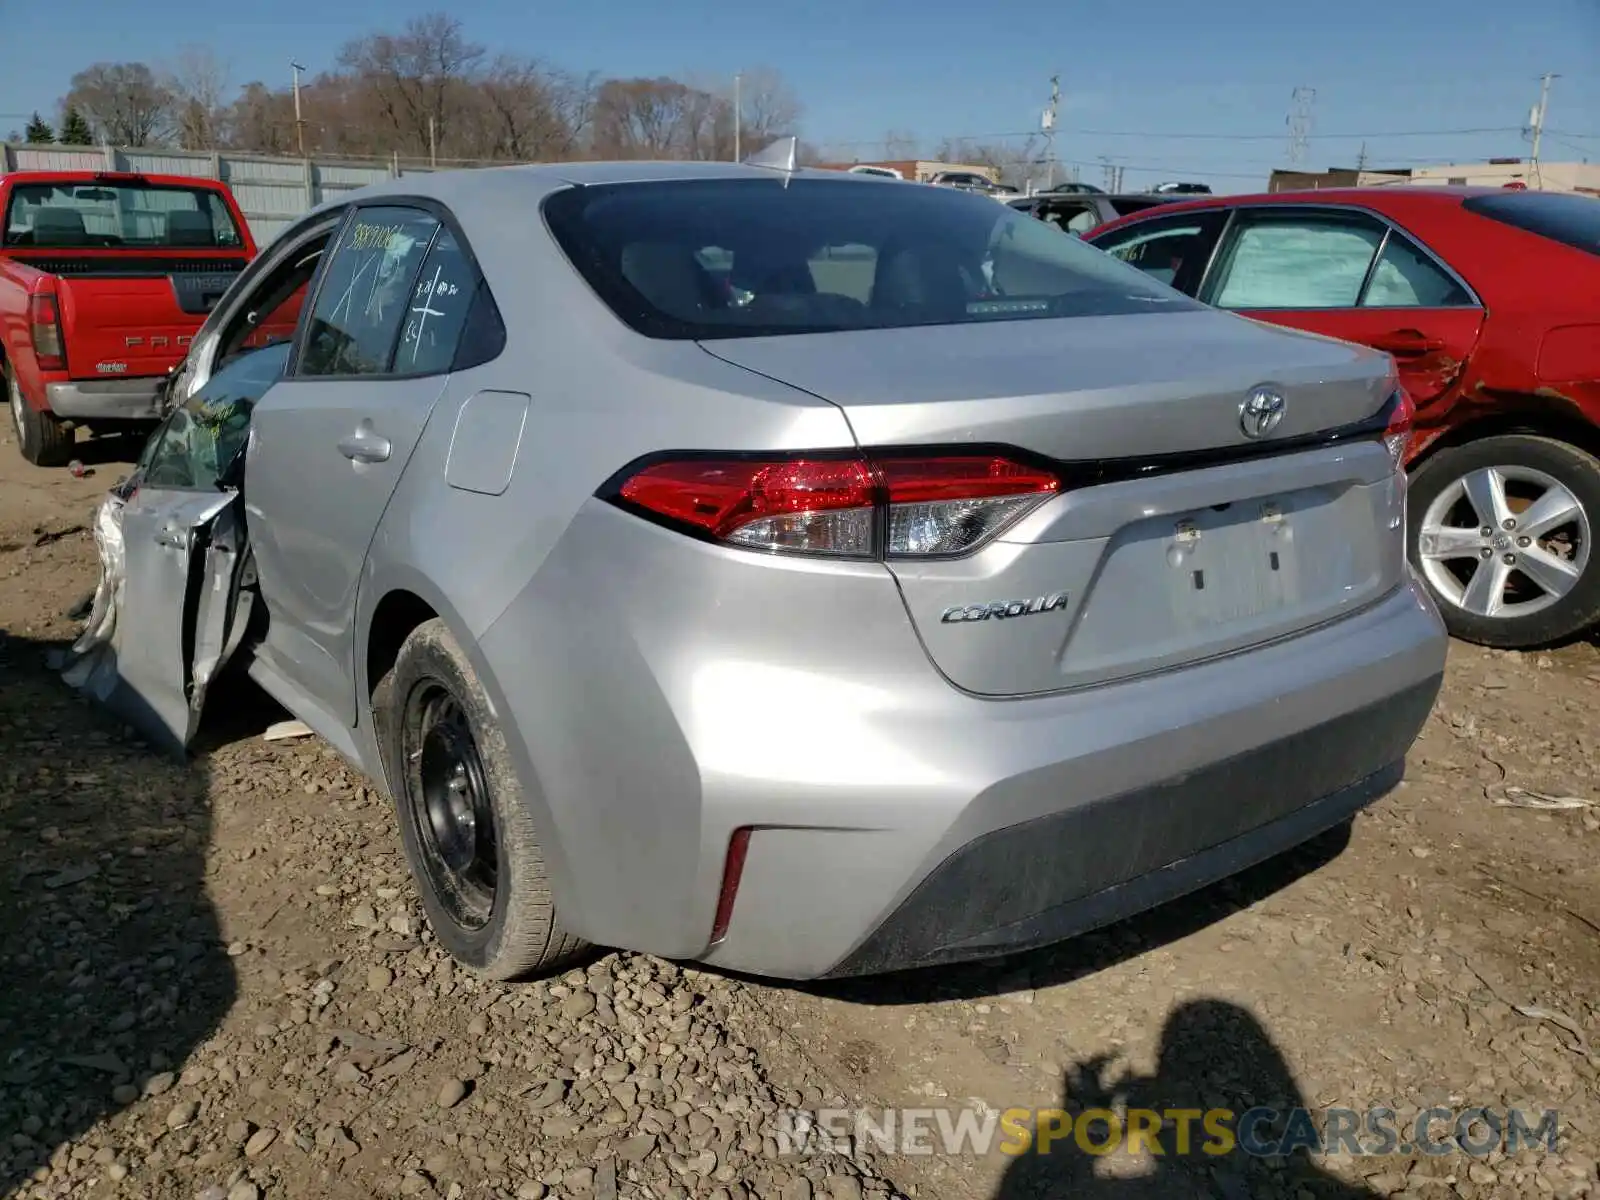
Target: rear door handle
1408	341
365	446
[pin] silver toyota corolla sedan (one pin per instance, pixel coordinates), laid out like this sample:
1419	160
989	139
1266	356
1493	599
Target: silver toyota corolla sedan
795	571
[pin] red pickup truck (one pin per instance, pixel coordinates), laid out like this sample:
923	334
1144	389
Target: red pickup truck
104	279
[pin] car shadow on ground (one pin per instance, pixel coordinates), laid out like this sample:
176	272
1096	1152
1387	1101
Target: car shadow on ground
115	966
110	449
1098	950
1214	1055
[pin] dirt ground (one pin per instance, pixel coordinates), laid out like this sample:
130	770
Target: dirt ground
218	983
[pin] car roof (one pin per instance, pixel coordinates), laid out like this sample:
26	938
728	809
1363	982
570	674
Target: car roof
1393	200
469	184
111	177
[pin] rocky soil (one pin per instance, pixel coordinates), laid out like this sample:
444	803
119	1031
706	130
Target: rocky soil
218	983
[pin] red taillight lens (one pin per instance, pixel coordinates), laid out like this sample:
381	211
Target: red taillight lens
929	506
44	317
1397	435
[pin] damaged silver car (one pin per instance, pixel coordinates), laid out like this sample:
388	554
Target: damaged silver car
791	570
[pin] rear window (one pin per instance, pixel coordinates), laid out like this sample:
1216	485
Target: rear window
727	258
1560	216
100	216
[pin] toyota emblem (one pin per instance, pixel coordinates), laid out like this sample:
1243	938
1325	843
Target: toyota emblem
1261	412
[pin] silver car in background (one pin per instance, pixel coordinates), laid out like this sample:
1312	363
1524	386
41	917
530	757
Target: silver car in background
786	570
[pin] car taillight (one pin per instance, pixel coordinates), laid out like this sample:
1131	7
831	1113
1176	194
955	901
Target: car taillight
872	507
44	318
1397	435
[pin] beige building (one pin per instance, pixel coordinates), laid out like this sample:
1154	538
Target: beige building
1497	172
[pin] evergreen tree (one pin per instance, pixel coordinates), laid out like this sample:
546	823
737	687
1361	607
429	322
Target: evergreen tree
39	132
75	130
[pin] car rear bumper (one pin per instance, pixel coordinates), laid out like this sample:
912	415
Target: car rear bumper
894	819
106	399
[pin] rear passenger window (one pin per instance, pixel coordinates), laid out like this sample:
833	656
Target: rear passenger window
366	296
1298	261
1405	277
440	302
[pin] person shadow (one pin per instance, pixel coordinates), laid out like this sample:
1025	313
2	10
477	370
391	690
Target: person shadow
115	969
1214	1055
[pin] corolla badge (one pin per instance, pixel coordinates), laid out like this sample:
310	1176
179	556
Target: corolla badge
1261	412
1002	609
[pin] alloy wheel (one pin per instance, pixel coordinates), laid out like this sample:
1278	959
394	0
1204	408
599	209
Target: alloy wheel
1504	541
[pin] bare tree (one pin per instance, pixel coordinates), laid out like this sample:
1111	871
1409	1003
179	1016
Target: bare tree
768	108
642	118
262	120
197	81
124	102
417	77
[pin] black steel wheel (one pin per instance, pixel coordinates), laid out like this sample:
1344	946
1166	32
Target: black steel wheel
447	797
466	827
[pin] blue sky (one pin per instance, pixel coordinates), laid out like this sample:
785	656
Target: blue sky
1168	88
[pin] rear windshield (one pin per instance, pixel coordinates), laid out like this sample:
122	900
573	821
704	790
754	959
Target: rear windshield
725	258
64	216
1560	216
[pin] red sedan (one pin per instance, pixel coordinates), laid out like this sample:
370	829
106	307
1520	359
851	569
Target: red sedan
1489	301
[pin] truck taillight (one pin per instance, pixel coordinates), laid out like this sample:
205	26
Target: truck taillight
881	506
1397	434
44	318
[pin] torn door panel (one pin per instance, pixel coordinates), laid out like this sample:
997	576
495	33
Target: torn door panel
168	612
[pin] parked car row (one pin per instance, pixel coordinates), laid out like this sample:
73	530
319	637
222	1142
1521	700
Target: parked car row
790	570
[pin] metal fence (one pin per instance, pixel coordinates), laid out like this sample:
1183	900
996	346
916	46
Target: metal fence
272	190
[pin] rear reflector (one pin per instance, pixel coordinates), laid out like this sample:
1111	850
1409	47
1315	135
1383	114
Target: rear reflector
732	871
896	507
1397	435
44	320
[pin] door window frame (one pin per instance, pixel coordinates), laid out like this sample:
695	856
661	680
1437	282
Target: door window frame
1239	214
1214	224
443	219
292	242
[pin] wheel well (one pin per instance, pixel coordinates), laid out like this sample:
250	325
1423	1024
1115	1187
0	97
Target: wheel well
396	616
1561	425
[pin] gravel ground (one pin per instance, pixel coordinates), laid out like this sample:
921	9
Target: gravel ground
219	983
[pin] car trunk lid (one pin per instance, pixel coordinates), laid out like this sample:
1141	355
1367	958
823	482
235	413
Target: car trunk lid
1177	535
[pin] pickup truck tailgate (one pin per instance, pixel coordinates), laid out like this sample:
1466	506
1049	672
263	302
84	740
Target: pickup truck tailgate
127	315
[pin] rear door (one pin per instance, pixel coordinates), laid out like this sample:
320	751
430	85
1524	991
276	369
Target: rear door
329	443
1351	275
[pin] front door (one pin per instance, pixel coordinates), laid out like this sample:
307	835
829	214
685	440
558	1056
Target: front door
1350	275
329	443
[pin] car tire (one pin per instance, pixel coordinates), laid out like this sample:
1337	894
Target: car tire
1530	470
43	439
460	809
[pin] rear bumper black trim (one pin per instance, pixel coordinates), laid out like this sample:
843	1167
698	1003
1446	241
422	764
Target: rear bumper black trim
1053	878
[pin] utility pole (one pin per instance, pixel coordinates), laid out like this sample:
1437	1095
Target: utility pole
299	124
738	116
1048	124
1361	160
1536	121
1299	123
